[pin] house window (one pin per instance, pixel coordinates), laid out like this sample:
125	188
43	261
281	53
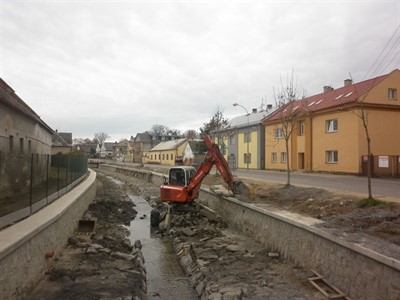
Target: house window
232	140
21	145
247	137
159	156
331	125
247	158
172	157
29	146
278	133
274	157
302	127
11	143
283	157
331	157
392	94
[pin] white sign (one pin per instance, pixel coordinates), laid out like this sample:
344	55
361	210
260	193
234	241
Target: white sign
383	161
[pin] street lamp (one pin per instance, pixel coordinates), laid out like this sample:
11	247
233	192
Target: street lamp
248	133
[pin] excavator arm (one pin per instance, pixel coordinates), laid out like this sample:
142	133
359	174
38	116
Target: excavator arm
191	191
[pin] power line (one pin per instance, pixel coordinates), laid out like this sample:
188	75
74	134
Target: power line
380	54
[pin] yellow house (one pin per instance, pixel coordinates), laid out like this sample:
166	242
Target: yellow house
168	153
328	132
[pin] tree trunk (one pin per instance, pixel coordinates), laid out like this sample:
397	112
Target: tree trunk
287	163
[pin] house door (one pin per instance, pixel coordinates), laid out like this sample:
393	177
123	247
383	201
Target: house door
300	161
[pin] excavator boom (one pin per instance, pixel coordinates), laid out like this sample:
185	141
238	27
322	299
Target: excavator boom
172	192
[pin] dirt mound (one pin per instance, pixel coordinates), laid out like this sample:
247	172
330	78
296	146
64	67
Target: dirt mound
342	212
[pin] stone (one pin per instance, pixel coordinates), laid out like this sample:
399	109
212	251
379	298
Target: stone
200	287
125	256
91	250
188	232
215	296
137	244
233	248
273	254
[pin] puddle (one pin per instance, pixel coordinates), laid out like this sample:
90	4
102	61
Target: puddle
165	277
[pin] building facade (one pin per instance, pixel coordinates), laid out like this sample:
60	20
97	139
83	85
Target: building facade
329	133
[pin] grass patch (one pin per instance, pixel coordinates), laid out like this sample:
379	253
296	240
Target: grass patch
368	202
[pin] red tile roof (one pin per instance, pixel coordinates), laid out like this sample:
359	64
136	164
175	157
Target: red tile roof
330	99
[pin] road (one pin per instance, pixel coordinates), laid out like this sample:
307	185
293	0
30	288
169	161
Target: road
382	188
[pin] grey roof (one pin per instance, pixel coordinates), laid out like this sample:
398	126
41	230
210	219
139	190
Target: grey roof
58	141
253	118
169	145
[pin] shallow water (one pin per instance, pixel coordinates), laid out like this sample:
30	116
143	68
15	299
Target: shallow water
165	277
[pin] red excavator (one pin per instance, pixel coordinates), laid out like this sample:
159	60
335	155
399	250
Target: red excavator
184	182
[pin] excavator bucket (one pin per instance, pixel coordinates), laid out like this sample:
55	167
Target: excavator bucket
242	191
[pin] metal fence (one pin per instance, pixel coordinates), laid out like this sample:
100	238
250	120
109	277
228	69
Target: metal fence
30	182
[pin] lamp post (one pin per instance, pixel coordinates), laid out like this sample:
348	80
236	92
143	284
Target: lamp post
248	133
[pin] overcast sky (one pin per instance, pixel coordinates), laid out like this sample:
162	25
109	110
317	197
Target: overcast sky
122	66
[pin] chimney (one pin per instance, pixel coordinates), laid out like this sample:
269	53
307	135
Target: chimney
254	110
348	82
269	106
327	88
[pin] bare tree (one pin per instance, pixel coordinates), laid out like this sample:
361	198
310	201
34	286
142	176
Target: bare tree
216	124
160	129
363	115
288	112
191	134
101	137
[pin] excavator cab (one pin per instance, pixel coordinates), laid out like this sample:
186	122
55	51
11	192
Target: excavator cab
180	176
174	189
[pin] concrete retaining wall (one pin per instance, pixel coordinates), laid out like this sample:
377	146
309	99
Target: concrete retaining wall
357	271
23	245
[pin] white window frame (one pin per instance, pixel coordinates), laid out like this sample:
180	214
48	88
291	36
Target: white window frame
392	94
302	128
283	157
274	157
332	157
279	133
331	125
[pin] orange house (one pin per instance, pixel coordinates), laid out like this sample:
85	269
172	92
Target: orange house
328	132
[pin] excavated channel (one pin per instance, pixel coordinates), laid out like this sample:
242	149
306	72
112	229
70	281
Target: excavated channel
166	278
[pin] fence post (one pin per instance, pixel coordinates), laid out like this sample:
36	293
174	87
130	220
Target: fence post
47	177
31	186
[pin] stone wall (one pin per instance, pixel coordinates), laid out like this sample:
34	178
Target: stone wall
23	245
357	271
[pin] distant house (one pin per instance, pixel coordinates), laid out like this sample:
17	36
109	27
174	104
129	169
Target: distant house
123	150
144	142
22	134
89	149
61	142
194	152
168	153
242	142
329	135
105	150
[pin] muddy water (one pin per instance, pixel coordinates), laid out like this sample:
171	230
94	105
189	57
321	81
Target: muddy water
165	276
